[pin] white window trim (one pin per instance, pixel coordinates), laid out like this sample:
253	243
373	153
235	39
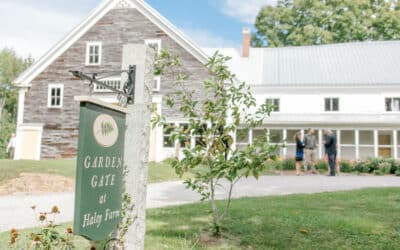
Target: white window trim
158	79
88	44
151	41
177	124
392	105
107	79
50	87
273	99
331	103
169	135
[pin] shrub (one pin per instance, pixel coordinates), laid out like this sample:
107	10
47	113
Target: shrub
346	166
274	165
362	167
377	166
357	166
385	167
365	168
397	173
373	163
321	165
288	164
395	165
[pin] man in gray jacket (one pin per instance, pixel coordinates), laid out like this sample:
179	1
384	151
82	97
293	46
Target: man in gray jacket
310	144
330	150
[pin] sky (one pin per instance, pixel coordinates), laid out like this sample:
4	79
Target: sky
31	27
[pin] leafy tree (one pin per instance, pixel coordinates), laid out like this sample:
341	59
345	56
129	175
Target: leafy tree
213	122
10	67
309	22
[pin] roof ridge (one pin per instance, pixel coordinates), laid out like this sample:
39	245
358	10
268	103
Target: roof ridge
366	43
344	44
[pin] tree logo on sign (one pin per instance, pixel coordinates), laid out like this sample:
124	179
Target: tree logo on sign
105	130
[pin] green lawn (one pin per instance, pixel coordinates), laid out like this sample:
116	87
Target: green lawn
158	172
363	219
11	169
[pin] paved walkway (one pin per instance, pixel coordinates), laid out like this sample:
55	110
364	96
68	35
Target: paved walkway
16	212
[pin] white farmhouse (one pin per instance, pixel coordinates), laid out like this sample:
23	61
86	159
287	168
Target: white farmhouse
351	88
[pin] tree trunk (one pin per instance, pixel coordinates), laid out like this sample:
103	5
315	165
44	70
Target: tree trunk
2	103
214	209
228	202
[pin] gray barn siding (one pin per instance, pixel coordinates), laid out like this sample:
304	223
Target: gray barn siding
118	27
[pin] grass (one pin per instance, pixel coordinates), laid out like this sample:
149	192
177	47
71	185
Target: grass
12	169
158	172
362	219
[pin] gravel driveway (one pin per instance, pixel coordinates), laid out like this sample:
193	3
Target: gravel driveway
16	210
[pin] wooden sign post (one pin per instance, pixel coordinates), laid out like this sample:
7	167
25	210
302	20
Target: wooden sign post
137	139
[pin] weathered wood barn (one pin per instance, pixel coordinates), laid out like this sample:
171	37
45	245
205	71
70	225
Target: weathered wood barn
47	113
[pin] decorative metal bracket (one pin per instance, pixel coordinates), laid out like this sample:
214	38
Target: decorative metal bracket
126	96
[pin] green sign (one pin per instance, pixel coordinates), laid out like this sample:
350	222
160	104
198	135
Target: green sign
99	172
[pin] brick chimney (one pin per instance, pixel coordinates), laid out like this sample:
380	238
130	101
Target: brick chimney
246	43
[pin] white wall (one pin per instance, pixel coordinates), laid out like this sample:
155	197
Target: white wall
311	100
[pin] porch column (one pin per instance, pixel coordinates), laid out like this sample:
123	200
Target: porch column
376	151
394	139
233	134
357	143
193	141
177	144
338	142
284	149
320	134
21	103
159	133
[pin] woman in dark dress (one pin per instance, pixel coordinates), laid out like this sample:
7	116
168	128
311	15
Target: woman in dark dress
299	152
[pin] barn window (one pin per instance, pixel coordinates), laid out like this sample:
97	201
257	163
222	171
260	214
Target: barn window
55	96
93	53
154	43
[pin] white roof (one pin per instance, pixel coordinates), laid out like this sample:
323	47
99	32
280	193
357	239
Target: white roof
357	63
102	9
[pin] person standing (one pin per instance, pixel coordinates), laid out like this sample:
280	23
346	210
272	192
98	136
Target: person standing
11	146
310	144
330	150
299	152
